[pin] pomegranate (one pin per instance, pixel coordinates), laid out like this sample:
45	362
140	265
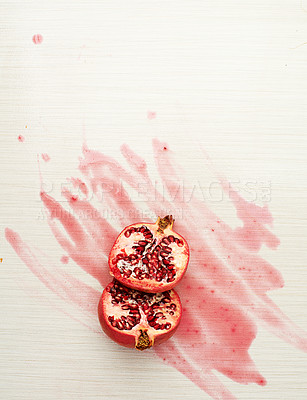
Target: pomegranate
138	319
150	257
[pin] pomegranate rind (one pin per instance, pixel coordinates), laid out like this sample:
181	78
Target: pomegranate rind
130	338
123	243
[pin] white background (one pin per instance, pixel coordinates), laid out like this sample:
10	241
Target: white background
230	75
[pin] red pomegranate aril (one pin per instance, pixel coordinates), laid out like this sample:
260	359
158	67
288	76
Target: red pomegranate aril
159	314
166	241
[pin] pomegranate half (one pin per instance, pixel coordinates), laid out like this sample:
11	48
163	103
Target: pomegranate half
150	257
136	319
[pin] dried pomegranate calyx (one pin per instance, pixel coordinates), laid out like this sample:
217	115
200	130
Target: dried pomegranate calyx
143	342
166	222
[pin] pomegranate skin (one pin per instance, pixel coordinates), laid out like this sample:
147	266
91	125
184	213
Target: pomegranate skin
160	231
148	334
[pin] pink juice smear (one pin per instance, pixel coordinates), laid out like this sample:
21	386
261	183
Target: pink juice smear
224	292
37	39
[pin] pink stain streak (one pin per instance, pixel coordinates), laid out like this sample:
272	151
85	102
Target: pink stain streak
37	39
224	292
21	138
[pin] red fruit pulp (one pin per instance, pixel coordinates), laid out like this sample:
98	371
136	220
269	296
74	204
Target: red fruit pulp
150	257
136	319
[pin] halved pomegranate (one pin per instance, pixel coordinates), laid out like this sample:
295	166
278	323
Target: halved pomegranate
137	319
149	257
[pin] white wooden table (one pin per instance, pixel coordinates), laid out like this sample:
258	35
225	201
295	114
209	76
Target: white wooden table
229	75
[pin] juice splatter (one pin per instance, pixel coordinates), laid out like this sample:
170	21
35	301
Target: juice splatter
37	39
224	292
45	157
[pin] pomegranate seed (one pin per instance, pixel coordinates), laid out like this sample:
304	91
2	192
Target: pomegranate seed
152	323
142	243
159	314
125	307
150	318
134	307
119	325
118	298
163	254
171	238
167	325
142	229
179	242
166	262
114	323
145	261
167	249
166	241
166	300
173	306
157	326
171	313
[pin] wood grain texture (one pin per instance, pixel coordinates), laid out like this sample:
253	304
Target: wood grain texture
230	75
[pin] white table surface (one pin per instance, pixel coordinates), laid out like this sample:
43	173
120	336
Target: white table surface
229	75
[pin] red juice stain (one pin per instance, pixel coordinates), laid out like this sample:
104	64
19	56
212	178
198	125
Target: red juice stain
37	39
225	297
64	259
151	114
21	138
45	157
